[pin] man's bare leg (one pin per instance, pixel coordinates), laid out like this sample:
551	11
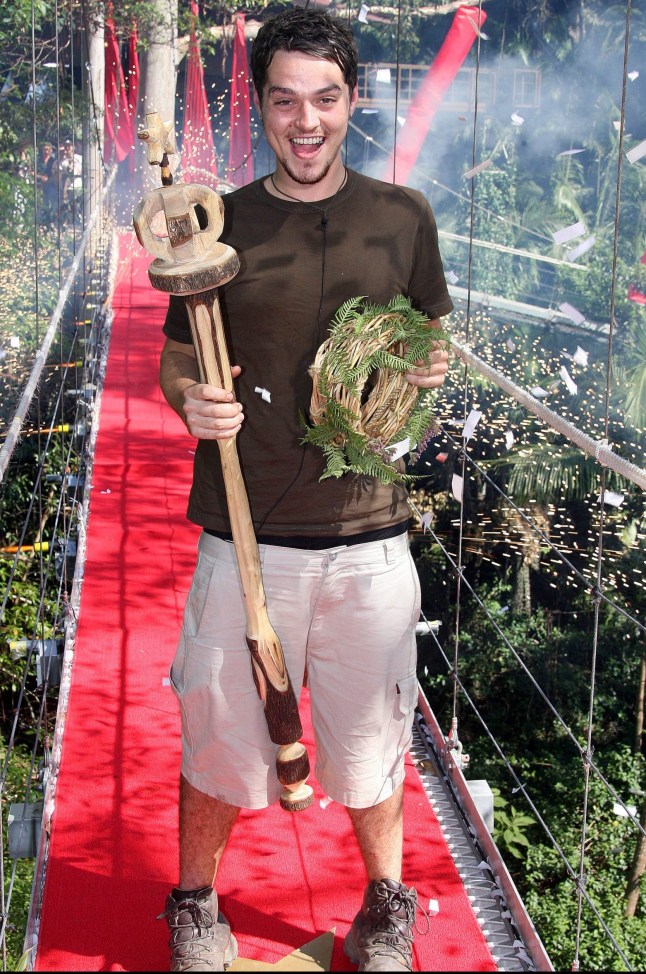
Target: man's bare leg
205	825
380	831
381	935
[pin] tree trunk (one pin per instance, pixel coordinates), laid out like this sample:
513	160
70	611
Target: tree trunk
93	94
158	75
637	869
521	600
639	707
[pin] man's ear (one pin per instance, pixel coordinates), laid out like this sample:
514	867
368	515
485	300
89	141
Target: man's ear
256	102
354	98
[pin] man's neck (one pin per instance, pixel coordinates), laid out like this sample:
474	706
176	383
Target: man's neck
282	186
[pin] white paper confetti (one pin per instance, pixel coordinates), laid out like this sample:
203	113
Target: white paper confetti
539	392
634	154
580	356
583	248
106	491
624	812
479	168
472	421
612	498
14	341
509	439
433	908
569	381
633	75
426	520
569	152
324	802
362	16
511	344
266	395
568	233
383	75
572	313
516	119
166	681
452	277
398	450
457	486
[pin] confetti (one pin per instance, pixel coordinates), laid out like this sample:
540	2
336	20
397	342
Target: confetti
457	486
634	154
582	248
266	395
397	450
479	168
426	520
570	312
472	421
568	233
569	381
612	497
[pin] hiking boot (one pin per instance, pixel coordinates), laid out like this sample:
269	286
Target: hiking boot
200	936
381	936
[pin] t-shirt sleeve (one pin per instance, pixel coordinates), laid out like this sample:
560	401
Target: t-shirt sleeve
177	326
428	290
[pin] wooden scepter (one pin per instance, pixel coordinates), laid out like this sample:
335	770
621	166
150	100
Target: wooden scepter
190	261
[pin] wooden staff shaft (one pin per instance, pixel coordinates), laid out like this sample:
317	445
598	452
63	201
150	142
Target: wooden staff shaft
269	670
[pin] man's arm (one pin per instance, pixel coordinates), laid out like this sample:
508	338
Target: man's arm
209	413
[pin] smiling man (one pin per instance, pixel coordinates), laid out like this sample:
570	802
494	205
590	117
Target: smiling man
342	589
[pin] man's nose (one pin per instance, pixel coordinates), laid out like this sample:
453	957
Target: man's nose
308	116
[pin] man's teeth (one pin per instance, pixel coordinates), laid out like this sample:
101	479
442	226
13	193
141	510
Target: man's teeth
314	140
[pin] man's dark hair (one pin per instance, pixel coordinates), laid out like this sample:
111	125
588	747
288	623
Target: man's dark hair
310	32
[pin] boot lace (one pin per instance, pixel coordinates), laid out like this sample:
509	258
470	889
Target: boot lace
189	915
394	932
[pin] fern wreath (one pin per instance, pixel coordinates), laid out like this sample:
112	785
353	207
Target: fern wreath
362	404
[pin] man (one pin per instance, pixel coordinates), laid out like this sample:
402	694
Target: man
46	175
71	171
342	590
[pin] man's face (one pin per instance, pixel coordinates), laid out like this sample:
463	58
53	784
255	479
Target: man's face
305	109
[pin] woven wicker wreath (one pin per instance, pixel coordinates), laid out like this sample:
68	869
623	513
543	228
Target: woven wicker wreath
362	404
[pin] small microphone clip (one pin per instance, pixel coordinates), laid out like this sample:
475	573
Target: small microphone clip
324	221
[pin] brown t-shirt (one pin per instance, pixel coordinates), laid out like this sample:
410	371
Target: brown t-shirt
380	241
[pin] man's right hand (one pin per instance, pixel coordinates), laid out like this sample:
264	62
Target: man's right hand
211	413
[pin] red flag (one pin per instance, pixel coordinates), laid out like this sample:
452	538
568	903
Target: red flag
240	169
117	128
199	163
635	295
456	46
133	91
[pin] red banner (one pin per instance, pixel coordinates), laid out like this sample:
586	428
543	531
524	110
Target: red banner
635	295
457	44
199	162
118	137
240	169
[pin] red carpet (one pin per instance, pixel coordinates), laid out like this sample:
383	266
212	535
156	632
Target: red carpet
285	878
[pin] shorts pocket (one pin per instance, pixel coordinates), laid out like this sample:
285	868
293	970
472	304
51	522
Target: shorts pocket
197	596
399	734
